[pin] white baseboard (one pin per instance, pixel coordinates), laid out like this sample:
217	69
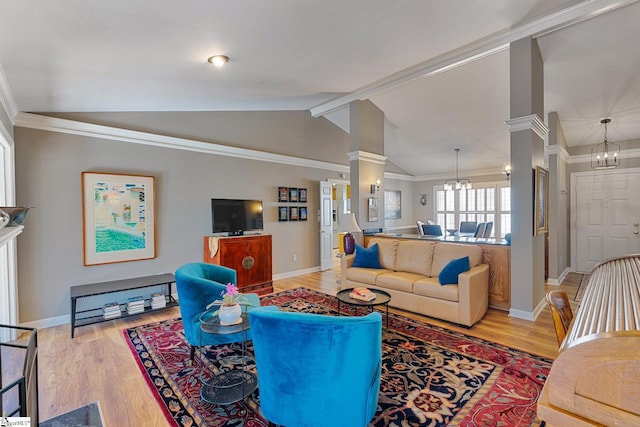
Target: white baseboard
527	315
295	273
48	323
559	280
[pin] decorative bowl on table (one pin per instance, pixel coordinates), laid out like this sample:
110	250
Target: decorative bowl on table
452	231
17	215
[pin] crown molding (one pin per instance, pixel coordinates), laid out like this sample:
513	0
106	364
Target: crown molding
72	127
558	150
6	140
531	122
467	174
367	157
399	176
6	96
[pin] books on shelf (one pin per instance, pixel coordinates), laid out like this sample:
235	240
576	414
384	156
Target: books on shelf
158	301
363	294
135	305
111	310
135	310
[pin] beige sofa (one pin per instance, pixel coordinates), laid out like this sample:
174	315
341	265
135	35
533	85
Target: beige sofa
409	273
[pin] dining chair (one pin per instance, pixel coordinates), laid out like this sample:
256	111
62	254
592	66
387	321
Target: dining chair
560	312
420	230
479	230
487	230
467	227
431	230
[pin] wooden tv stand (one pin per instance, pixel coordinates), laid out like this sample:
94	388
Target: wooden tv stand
249	255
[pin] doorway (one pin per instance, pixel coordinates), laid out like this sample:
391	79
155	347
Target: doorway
606	216
335	201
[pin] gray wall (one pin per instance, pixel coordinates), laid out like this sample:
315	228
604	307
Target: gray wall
48	171
293	133
408	198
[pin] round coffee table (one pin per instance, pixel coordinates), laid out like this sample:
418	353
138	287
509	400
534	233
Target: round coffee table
382	298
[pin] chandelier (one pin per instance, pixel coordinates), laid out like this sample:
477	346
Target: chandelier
458	183
605	154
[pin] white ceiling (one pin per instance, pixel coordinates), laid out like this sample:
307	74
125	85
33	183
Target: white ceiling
143	55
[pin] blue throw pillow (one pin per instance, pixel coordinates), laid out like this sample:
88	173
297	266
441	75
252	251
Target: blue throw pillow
449	274
367	258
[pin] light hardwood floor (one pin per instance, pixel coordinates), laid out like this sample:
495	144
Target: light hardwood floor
97	365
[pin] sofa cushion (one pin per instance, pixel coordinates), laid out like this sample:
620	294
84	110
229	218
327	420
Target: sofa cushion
415	257
431	287
445	252
387	251
365	275
449	274
367	257
398	280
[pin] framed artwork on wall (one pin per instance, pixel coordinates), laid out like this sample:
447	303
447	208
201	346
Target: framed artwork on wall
541	201
302	195
303	213
293	194
293	213
392	204
283	194
118	218
283	213
372	209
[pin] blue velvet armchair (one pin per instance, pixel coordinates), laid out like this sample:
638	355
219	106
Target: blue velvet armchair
199	284
313	368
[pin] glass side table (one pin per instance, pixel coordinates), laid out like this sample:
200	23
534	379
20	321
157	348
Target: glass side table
234	385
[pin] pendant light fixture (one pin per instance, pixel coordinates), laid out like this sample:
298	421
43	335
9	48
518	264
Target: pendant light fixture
605	155
458	183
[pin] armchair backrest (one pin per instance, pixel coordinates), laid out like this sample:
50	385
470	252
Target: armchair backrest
311	366
199	284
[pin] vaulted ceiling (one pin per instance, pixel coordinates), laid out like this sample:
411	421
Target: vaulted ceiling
438	70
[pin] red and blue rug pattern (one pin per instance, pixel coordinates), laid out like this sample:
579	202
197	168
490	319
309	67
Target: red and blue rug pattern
431	376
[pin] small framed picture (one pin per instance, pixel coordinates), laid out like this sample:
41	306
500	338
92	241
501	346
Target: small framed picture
283	213
293	194
293	213
302	195
303	213
283	194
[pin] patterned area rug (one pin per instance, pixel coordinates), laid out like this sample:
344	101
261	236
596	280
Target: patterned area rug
430	376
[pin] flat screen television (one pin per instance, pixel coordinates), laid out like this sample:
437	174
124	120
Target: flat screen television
235	216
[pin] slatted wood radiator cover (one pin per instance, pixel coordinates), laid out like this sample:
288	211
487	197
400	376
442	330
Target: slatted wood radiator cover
595	379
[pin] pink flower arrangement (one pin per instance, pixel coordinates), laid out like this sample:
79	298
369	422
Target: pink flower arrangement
231	295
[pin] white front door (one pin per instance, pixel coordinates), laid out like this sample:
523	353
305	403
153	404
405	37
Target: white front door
326	226
607	216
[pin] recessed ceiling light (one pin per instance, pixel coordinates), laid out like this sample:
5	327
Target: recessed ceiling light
218	60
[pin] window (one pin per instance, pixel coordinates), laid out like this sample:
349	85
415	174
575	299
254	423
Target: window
490	202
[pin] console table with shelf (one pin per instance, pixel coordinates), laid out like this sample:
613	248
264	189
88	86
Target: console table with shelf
93	289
